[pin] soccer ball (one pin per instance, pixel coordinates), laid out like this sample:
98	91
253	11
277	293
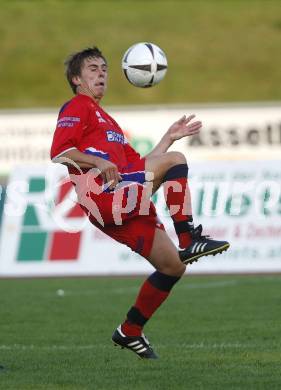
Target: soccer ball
144	64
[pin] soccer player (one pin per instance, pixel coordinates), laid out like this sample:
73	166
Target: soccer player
109	175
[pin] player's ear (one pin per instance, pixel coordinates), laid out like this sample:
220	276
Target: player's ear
76	80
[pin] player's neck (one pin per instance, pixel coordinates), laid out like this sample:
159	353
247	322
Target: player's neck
82	91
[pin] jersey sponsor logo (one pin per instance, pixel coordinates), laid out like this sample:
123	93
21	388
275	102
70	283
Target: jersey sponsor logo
68	121
113	136
100	118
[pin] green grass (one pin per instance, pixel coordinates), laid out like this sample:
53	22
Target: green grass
216	332
218	50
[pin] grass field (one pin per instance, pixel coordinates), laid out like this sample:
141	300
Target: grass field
218	50
216	332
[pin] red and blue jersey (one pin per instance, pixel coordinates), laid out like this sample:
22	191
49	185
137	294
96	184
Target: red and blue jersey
82	124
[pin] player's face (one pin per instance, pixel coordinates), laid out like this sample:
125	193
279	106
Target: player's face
93	77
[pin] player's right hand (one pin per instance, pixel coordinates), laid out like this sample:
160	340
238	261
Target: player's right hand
109	172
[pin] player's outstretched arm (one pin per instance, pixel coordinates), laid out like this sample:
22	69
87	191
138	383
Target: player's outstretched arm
184	127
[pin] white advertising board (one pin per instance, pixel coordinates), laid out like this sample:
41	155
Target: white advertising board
229	132
239	201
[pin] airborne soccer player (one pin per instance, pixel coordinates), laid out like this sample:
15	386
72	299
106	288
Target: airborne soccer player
114	184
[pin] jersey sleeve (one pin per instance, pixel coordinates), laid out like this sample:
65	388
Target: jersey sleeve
130	152
71	122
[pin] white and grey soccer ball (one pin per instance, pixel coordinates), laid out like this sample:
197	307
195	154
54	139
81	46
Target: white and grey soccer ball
144	64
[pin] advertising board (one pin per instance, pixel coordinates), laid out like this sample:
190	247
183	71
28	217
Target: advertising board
44	231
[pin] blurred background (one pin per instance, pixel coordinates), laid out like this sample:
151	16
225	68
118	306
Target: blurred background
224	65
218	50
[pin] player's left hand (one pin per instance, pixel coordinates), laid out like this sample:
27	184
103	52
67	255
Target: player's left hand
184	128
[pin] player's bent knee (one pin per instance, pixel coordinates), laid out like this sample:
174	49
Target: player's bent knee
177	158
173	269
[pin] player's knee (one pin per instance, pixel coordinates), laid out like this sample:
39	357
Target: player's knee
180	269
175	269
176	158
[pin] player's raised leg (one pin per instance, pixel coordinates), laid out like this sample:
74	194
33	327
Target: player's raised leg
171	169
